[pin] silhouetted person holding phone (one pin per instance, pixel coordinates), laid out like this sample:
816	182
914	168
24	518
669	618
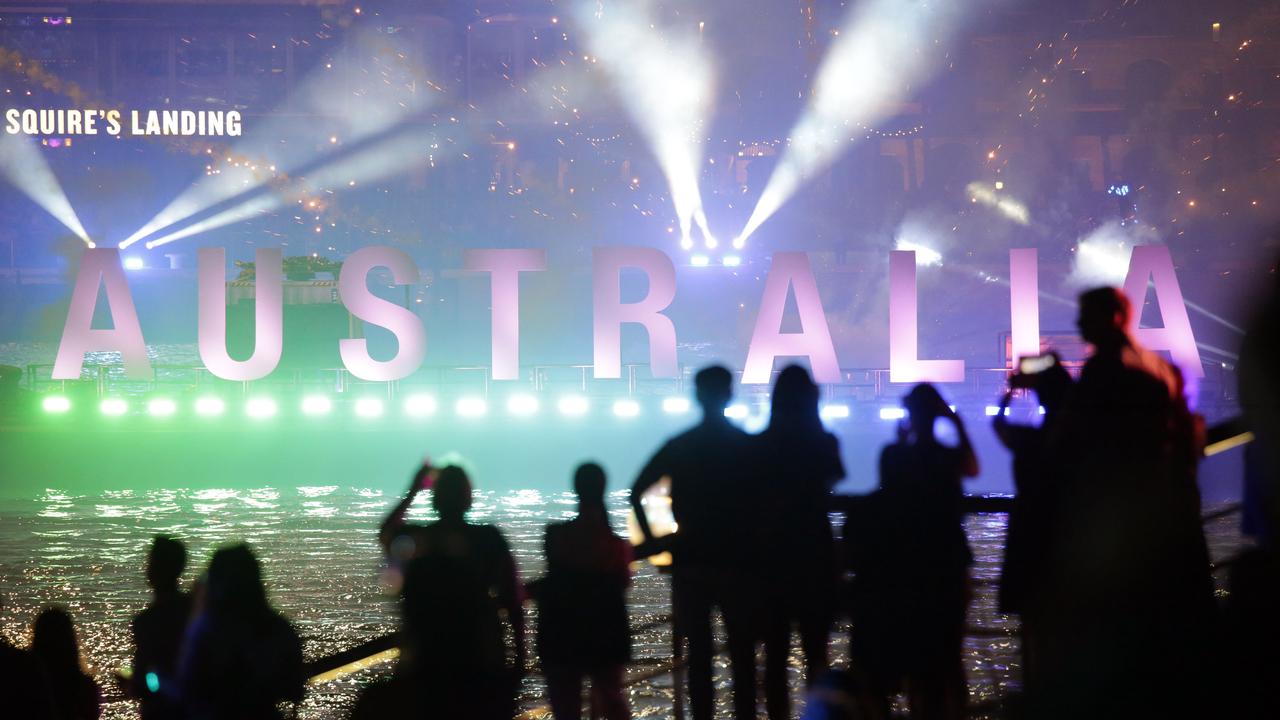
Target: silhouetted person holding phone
21	686
1127	632
711	473
71	692
911	559
1035	474
800	464
583	632
480	549
446	668
158	631
241	658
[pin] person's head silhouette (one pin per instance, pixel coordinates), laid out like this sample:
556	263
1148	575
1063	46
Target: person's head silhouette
233	584
924	405
165	562
1052	386
588	485
1104	318
795	400
713	387
451	493
53	641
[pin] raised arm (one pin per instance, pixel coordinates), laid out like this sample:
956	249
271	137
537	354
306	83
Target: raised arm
395	519
653	471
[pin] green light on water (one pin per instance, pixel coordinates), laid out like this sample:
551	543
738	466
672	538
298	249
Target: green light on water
55	404
161	407
113	407
210	406
260	408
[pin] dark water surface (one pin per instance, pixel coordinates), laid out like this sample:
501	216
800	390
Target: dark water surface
322	565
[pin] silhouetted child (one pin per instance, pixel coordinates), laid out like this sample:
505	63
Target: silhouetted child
582	606
241	658
21	686
72	693
711	469
800	465
911	588
446	668
158	632
481	550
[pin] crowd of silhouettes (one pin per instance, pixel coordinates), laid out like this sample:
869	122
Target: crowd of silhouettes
1106	567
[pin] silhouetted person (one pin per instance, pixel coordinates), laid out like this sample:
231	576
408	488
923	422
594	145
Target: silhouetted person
446	668
72	693
16	402
912	562
1035	472
1127	631
711	473
21	686
480	549
158	632
583	631
241	658
1252	624
800	464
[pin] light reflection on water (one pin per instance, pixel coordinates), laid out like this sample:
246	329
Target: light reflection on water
321	559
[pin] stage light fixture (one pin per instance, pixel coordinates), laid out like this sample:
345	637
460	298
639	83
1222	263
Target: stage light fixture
573	405
161	407
699	261
471	407
737	411
210	406
834	411
626	408
522	405
260	408
892	413
55	404
992	411
369	407
675	405
420	405
316	405
134	262
113	407
731	261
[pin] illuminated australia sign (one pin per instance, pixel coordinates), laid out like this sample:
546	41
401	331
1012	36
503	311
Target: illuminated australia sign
790	275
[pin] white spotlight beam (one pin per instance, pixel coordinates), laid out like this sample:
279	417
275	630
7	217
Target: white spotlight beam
396	154
884	48
316	118
24	166
665	80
